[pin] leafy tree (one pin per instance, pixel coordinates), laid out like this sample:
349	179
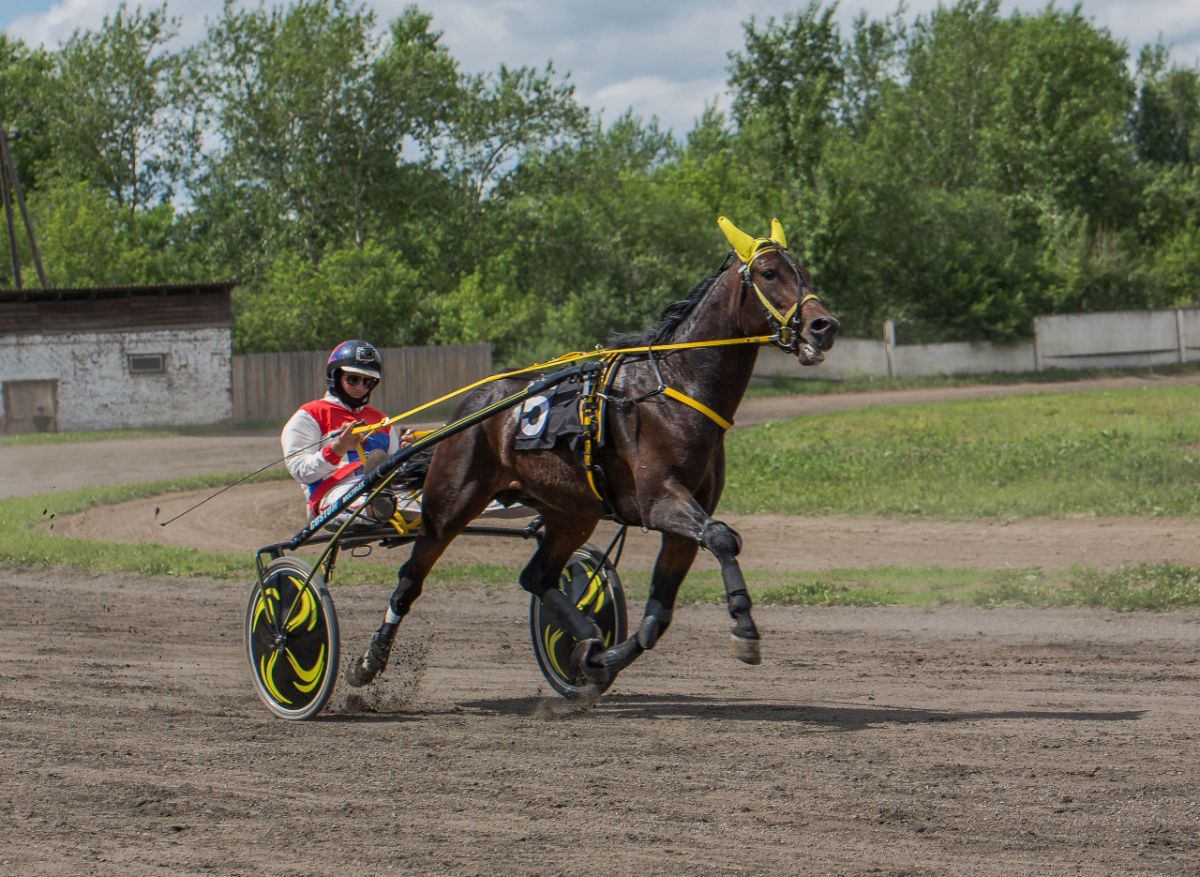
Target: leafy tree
87	239
25	76
119	108
1166	123
319	119
356	292
789	81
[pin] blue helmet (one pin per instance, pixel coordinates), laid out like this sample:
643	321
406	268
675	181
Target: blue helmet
354	356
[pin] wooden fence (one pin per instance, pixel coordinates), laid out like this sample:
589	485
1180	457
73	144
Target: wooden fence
271	386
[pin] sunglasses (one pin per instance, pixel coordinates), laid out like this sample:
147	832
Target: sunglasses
353	380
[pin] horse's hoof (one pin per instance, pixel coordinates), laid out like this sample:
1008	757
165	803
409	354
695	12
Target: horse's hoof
581	657
366	668
748	651
357	675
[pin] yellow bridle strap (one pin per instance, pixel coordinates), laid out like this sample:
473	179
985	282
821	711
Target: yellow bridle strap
699	406
565	359
762	245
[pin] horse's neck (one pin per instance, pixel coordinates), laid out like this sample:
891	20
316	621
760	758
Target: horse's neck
727	368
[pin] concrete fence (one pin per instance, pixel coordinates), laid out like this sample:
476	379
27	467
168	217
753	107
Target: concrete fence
1116	339
270	386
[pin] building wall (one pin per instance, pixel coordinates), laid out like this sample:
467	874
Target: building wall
97	391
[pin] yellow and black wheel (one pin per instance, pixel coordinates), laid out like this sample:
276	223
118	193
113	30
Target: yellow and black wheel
592	583
291	636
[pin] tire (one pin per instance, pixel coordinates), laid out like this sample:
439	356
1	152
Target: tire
294	673
594	588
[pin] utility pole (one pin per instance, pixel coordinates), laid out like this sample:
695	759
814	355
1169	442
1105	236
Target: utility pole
10	190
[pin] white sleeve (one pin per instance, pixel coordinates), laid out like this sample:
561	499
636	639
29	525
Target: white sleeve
302	442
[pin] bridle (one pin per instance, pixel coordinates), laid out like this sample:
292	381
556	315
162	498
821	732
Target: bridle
785	327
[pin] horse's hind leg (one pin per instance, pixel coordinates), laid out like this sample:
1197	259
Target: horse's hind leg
540	578
410	579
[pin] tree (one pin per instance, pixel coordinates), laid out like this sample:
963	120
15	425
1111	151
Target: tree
788	82
1166	122
119	108
321	121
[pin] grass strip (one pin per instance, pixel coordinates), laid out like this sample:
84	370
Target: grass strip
1114	452
782	385
1161	587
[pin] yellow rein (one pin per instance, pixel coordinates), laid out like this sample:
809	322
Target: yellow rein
568	358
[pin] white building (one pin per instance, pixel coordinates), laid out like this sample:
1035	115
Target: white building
78	359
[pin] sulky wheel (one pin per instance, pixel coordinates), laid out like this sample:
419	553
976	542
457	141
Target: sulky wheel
291	636
596	589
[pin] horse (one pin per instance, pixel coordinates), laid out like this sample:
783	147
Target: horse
661	463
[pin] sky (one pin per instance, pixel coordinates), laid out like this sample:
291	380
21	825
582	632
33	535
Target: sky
663	58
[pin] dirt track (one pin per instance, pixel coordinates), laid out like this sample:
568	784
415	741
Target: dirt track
880	741
870	742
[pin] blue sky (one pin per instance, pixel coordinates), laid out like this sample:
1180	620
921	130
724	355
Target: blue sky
665	58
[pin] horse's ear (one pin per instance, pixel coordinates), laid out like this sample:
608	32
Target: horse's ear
741	242
777	233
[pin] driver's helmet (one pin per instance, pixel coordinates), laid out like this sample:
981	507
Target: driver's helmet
356	357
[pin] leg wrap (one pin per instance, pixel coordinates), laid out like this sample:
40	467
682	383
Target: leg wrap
721	539
655	622
739	603
406	592
579	625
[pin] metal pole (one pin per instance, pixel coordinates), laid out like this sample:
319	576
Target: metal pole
12	168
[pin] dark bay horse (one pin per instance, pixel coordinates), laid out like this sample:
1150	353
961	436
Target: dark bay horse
663	459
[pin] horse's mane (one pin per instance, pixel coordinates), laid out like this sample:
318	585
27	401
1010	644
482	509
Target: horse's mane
671	317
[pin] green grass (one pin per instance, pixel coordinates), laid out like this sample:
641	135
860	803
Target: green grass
1120	452
780	385
24	544
1161	587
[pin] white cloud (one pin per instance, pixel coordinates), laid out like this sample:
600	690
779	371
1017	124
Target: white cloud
57	23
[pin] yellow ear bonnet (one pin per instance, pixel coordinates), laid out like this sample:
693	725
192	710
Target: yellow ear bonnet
777	233
745	246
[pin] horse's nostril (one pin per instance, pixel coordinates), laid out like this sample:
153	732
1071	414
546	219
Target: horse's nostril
822	326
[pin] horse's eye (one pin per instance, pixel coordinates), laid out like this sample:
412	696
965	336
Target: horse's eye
768	274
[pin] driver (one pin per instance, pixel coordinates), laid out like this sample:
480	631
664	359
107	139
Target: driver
321	448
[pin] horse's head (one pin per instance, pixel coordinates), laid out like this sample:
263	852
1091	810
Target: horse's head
801	324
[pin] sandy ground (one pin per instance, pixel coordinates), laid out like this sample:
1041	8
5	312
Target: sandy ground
870	742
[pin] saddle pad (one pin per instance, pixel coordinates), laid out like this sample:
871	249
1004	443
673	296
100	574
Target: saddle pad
543	420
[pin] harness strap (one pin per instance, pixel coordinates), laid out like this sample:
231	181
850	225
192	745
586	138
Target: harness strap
699	406
591	421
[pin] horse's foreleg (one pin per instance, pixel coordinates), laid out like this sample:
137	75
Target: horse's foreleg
681	515
725	545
